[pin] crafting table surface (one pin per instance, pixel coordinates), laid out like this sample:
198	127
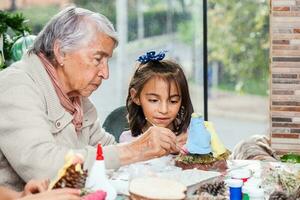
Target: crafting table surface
164	167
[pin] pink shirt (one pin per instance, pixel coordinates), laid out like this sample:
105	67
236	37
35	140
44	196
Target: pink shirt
126	137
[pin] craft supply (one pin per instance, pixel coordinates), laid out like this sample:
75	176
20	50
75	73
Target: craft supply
97	179
242	174
199	138
256	194
156	188
252	184
235	188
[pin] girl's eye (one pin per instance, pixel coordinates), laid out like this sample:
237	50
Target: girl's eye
174	101
152	100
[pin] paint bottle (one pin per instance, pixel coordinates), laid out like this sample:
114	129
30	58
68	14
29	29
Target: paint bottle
235	188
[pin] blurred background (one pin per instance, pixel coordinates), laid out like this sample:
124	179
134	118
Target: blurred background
238	46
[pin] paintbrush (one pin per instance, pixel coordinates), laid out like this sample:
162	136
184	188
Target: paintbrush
179	147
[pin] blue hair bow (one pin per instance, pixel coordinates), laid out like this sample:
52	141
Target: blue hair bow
150	56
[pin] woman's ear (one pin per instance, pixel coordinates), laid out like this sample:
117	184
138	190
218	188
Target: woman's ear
133	95
59	55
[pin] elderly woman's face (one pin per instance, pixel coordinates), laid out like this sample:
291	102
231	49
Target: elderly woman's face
84	69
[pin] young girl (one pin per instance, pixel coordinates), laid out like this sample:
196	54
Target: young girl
158	95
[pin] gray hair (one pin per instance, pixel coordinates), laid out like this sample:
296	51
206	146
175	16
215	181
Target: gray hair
69	27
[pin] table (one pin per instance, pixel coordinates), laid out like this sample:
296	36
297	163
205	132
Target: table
164	167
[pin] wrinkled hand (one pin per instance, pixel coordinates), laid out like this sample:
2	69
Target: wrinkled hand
35	186
57	194
156	142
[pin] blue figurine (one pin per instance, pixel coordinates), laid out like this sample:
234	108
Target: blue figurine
198	141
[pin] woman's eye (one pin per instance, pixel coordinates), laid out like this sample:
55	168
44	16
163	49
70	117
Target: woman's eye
98	60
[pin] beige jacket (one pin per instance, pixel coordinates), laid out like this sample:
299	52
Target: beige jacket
36	132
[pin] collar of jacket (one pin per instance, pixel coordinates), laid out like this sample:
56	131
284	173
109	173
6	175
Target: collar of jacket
35	69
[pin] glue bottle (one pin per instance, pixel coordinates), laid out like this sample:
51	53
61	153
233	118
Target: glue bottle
97	179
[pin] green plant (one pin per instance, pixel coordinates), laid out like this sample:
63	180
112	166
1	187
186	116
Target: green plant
238	40
12	27
44	12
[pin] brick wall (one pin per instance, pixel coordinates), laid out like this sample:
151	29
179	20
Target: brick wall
285	74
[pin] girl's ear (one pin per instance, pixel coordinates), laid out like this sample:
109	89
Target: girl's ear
59	56
133	96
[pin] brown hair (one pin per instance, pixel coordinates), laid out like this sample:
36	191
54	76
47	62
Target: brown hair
169	71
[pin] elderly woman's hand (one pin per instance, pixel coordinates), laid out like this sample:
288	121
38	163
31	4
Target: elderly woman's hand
155	142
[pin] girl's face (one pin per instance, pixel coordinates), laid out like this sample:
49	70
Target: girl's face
160	101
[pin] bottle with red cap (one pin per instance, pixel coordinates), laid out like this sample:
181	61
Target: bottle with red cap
97	179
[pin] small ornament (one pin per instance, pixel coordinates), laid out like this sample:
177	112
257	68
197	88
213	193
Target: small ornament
71	175
206	196
72	178
278	196
198	141
21	46
214	189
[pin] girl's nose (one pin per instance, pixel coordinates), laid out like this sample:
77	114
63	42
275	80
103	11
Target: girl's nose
163	108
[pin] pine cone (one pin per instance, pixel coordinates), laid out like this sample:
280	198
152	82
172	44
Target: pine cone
214	189
296	195
72	178
206	196
278	196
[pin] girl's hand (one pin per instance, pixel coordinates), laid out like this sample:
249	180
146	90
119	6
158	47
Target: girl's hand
180	142
35	186
181	139
57	194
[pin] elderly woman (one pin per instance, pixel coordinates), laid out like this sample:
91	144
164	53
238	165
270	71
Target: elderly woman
44	107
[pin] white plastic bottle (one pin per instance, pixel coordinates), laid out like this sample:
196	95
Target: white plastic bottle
97	179
256	194
252	184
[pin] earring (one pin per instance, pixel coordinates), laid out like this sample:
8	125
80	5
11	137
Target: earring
181	112
179	117
61	64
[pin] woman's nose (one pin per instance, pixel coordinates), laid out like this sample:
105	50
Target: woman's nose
104	71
